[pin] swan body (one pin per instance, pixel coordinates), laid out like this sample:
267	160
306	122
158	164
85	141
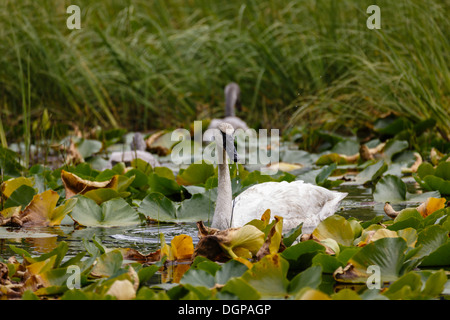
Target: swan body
232	98
296	202
138	147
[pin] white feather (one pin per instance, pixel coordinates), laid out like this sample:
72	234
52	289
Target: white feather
297	202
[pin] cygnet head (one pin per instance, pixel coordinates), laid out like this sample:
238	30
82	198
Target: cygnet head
138	142
225	141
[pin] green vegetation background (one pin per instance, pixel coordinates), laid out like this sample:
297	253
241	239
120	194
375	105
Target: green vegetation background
155	64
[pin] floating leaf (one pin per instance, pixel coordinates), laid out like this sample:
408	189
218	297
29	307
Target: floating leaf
122	290
431	205
335	227
410	286
434	179
386	253
195	174
331	158
372	172
182	247
88	147
392	189
310	278
42	209
235	242
241	289
241	242
439	184
394	147
164	185
115	212
274	239
269	276
101	195
107	264
301	254
73	184
22	196
157	207
9	186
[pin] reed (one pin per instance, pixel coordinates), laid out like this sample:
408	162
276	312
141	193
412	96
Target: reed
145	65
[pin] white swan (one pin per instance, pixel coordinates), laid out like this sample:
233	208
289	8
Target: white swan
232	99
296	201
138	147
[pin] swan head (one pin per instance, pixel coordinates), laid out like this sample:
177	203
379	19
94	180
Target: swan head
225	140
138	142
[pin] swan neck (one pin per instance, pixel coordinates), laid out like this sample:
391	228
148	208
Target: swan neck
223	210
231	96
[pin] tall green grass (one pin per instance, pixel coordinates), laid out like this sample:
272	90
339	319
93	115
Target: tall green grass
151	64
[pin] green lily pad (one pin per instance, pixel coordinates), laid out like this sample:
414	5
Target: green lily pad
388	254
88	147
439	184
107	264
311	278
434	179
394	147
195	174
301	254
392	189
269	276
347	147
101	195
372	172
157	207
331	158
164	185
22	196
111	213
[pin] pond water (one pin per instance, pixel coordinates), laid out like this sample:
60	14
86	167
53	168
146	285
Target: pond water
358	204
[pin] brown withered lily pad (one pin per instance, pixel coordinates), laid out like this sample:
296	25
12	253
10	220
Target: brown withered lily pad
75	185
274	241
41	211
135	255
221	245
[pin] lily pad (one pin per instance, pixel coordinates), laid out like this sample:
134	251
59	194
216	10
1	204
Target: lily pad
115	212
337	228
157	207
20	197
372	172
434	179
9	186
42	209
195	174
388	254
269	276
392	189
74	184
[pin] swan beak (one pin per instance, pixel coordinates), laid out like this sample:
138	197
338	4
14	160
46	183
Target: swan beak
228	145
